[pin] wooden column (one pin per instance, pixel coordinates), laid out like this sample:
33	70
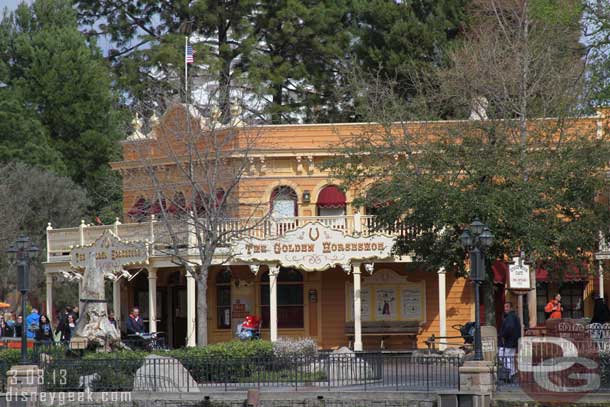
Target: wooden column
49	280
442	306
357	309
116	301
152	300
191	326
273	273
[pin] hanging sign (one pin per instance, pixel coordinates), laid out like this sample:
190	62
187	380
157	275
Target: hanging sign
110	253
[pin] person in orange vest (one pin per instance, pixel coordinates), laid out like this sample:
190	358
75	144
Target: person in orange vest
554	309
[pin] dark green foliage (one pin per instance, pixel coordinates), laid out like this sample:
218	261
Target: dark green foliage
61	78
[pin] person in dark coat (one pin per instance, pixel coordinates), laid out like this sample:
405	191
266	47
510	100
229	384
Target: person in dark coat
601	313
5	329
44	334
68	328
18	328
510	332
135	323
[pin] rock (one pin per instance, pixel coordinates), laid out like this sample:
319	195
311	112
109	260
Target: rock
345	367
161	373
456	353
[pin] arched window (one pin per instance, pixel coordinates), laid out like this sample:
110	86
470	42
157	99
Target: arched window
283	202
223	299
289	299
331	201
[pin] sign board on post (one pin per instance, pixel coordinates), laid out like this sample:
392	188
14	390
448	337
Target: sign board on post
519	275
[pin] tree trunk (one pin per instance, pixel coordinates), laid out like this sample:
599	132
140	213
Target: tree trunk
202	307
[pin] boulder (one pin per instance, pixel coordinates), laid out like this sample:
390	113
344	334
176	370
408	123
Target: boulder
161	373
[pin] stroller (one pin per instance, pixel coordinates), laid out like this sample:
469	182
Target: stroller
250	328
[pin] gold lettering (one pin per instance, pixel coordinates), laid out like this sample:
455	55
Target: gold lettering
263	249
340	247
277	248
373	246
333	247
380	246
310	248
249	248
367	246
360	247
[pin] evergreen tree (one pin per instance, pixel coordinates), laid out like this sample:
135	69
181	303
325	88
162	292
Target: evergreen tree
64	79
401	40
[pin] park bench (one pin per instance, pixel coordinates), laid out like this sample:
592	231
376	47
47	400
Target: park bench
385	329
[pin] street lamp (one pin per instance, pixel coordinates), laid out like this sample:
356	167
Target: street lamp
22	252
476	239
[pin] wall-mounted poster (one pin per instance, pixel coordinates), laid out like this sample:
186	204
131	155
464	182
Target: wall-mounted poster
412	303
385	307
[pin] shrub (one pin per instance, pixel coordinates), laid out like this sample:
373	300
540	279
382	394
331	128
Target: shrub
226	350
287	349
114	371
228	361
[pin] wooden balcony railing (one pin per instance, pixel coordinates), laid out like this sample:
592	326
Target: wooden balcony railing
157	232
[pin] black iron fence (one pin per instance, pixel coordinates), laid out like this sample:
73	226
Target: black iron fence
357	371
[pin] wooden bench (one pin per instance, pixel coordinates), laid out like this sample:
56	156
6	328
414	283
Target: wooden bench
385	329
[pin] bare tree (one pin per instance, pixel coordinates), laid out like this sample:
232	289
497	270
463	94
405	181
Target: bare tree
195	168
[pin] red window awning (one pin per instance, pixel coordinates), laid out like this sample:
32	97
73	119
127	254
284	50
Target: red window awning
331	197
499	270
157	206
139	208
568	273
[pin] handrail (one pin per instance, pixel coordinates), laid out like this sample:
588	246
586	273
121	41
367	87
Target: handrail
60	241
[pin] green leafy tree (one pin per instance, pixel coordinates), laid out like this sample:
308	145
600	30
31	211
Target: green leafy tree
63	79
535	183
30	198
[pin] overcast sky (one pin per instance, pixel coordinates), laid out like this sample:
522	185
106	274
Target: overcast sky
12	4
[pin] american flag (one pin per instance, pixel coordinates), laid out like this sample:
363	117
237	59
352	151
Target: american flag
188	57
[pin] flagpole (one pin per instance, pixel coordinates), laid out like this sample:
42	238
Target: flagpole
186	71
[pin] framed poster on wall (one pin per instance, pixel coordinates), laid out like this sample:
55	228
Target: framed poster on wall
385	304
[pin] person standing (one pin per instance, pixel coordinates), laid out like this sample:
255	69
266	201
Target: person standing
510	332
5	329
553	309
18	327
135	323
44	334
68	328
31	323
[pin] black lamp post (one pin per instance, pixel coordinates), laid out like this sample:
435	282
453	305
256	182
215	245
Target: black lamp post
476	239
22	252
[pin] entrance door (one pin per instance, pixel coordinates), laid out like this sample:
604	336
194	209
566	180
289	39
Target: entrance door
179	316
